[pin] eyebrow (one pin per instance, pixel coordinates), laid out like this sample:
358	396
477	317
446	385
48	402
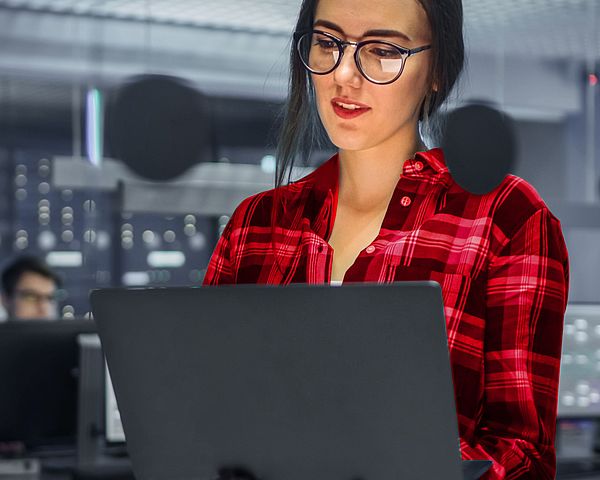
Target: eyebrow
369	33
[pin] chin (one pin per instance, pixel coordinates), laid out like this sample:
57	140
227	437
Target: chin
350	141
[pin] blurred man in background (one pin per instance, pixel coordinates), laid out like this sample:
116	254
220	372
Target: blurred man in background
29	290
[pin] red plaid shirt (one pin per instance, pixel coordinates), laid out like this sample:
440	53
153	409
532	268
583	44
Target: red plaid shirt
500	259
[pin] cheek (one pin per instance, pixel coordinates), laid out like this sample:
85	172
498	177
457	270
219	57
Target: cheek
419	82
20	308
323	95
402	97
320	86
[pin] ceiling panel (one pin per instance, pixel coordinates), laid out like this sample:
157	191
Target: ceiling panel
45	53
548	28
275	16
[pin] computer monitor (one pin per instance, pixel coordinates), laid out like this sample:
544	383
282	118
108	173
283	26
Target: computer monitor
38	377
113	424
579	390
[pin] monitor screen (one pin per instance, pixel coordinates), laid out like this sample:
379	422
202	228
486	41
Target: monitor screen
39	363
114	427
579	391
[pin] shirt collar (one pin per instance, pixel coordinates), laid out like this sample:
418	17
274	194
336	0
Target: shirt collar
322	185
325	177
434	159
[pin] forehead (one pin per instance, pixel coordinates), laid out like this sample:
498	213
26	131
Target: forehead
356	17
35	281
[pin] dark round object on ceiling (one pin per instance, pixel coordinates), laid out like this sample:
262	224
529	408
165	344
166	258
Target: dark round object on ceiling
479	147
159	126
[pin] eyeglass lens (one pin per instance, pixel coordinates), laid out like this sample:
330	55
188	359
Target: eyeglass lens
379	61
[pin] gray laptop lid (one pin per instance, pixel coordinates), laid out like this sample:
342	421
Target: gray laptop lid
295	383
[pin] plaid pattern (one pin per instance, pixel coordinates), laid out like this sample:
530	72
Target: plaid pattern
500	259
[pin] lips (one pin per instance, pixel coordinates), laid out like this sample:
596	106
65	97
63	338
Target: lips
347	108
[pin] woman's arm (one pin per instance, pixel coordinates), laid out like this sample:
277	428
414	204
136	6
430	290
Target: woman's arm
526	298
220	269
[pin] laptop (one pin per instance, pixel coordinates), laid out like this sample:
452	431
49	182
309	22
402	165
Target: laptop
284	383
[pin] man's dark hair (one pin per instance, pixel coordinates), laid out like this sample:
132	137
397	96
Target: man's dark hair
23	264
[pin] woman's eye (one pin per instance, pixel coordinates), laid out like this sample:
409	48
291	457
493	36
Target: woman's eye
384	52
325	44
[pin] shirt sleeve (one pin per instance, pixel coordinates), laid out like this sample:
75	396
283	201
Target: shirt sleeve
526	297
220	270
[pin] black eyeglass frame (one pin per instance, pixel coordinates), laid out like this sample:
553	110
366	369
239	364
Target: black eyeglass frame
341	44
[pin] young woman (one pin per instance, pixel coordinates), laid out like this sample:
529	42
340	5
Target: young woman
385	209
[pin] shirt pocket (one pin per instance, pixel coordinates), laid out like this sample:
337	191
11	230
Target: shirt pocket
455	286
430	246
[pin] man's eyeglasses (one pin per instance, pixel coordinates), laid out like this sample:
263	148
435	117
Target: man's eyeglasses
31	296
379	61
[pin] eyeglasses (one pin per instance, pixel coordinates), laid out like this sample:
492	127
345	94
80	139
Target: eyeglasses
31	296
379	61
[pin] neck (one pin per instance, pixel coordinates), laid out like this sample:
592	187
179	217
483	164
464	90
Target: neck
368	178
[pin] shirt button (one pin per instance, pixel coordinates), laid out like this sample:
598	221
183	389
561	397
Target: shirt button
370	249
418	166
405	201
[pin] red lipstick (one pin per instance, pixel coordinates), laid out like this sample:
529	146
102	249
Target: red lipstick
348	109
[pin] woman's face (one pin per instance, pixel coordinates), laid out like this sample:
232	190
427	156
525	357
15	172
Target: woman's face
392	110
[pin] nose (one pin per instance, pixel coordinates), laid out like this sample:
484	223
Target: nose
347	71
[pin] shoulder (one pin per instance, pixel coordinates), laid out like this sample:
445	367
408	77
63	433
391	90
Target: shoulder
515	201
508	206
257	209
501	213
520	216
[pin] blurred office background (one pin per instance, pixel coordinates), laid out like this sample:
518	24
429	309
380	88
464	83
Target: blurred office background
66	196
